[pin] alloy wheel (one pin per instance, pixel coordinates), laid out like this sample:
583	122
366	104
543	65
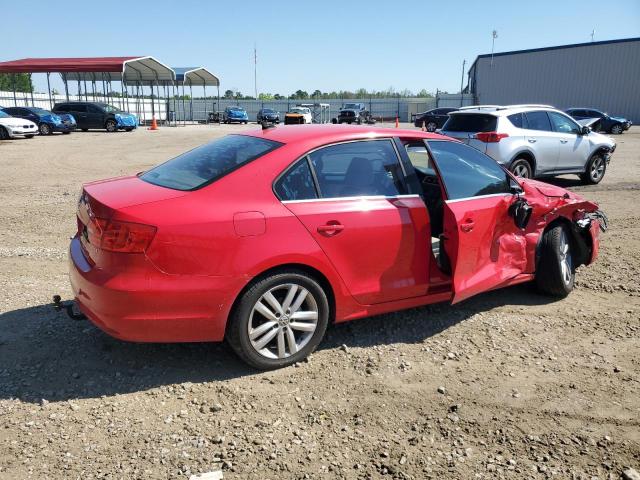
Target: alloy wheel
597	169
111	126
566	262
283	321
616	129
521	170
431	127
44	129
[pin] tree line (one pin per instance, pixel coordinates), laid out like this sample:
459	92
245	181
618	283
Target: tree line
361	93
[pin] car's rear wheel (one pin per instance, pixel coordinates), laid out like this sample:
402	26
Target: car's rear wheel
521	168
279	320
4	135
431	127
596	168
111	126
128	129
556	273
44	129
617	129
66	133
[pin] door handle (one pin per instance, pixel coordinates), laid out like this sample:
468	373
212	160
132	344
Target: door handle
564	141
532	140
467	226
330	228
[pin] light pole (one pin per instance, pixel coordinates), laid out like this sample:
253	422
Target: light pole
494	35
464	62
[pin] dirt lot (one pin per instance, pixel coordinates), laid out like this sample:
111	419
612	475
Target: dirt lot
507	384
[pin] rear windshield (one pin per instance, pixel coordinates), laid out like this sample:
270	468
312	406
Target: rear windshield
207	163
470	122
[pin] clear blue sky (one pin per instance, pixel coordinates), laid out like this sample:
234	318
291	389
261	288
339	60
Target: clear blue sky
326	45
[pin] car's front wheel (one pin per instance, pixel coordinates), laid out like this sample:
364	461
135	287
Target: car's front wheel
431	127
555	274
596	168
617	129
4	135
44	129
521	168
111	126
279	320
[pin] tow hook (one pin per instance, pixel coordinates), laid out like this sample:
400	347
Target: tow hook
58	304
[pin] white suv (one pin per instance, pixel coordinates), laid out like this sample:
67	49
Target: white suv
533	140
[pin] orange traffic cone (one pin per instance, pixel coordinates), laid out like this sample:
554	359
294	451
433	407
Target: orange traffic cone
423	127
397	124
154	124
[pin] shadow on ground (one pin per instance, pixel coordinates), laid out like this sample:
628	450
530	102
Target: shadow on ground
45	355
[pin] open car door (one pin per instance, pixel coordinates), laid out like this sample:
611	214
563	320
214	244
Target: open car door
484	246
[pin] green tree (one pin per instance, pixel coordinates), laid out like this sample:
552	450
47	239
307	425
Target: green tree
317	94
228	94
277	96
22	82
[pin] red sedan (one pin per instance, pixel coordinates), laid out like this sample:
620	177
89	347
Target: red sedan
265	238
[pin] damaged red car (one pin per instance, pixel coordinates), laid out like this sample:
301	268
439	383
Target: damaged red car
267	237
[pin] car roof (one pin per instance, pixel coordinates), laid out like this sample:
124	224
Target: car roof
324	134
502	110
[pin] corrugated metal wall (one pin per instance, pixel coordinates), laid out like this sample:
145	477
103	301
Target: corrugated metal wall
602	76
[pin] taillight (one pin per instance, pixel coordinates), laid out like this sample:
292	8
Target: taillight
117	236
490	137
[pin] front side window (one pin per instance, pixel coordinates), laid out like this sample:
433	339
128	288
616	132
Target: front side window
207	163
538	121
297	183
562	124
93	109
466	172
365	168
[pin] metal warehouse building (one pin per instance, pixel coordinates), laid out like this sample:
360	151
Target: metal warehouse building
603	75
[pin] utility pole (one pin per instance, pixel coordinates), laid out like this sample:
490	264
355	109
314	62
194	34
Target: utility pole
255	70
464	62
494	34
593	33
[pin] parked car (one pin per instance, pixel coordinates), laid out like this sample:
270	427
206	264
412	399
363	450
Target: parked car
533	140
354	113
433	119
12	127
235	114
298	115
287	249
615	125
98	115
268	115
47	122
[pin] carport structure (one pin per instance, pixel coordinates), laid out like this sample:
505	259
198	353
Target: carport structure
134	71
200	77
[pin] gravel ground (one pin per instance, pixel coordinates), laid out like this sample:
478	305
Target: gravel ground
508	384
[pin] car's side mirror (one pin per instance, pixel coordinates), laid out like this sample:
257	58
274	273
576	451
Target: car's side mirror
585	130
521	212
514	187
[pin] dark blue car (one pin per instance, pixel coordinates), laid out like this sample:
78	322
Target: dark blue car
235	114
47	122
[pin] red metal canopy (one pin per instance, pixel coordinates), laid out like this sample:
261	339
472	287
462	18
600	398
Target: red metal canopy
63	65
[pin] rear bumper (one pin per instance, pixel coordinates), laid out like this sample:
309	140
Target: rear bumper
142	304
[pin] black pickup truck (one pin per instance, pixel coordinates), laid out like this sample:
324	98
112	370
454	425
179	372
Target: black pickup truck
355	113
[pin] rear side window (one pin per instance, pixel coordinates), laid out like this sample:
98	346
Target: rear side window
61	108
365	168
470	122
78	108
207	163
93	109
518	120
466	172
538	121
297	183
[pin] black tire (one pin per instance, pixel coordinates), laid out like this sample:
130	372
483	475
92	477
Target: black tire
111	126
555	274
616	129
245	122
29	136
66	133
128	129
4	135
431	127
521	167
84	129
596	168
237	334
45	129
